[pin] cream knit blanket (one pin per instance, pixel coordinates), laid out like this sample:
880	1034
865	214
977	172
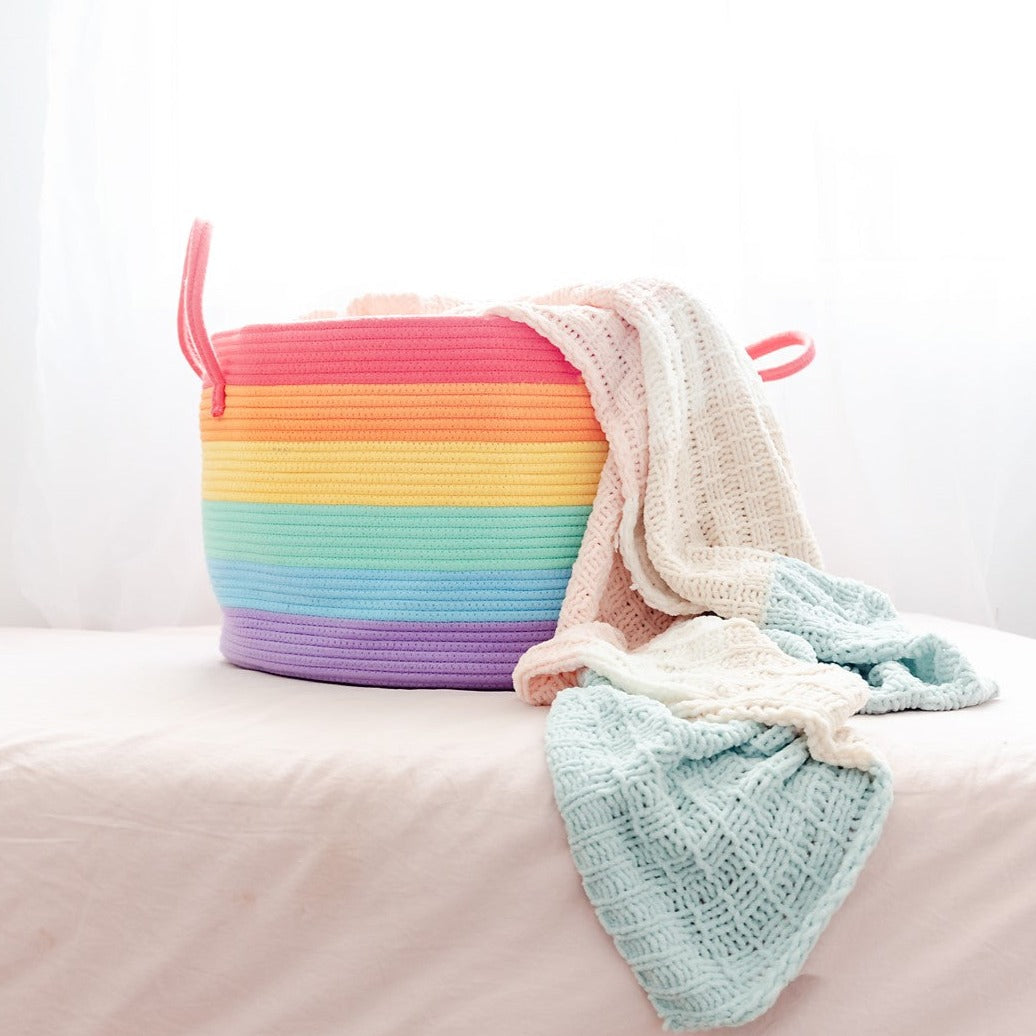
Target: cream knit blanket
696	503
697	514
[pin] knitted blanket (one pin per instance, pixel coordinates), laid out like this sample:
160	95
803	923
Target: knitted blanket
718	826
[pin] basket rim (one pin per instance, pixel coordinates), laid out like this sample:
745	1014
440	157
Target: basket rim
380	322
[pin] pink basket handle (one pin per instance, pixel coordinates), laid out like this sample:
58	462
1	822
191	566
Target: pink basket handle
783	341
197	347
194	339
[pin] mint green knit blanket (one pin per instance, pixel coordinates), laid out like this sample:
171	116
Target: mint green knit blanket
715	853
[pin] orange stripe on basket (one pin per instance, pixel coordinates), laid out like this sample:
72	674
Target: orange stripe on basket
509	413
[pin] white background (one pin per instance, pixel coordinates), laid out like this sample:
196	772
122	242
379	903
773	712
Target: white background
864	172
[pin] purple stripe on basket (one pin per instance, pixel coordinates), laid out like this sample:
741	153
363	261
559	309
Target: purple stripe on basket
468	655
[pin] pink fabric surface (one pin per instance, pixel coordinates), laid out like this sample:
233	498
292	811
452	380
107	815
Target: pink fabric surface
194	848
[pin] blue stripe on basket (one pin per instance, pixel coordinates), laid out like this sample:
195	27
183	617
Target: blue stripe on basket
518	595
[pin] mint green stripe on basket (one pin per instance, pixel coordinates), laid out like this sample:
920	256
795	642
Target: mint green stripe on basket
430	538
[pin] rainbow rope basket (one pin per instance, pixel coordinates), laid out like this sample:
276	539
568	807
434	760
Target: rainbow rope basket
392	501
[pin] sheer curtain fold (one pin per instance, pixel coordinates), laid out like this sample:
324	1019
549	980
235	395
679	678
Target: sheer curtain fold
752	155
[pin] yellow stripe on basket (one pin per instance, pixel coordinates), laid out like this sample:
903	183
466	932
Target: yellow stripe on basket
400	474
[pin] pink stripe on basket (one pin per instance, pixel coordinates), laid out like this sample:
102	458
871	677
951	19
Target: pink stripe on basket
391	350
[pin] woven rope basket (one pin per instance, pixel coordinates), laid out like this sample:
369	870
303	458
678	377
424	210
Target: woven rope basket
393	501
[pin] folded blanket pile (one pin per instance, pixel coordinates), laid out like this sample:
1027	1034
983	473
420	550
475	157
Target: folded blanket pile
719	826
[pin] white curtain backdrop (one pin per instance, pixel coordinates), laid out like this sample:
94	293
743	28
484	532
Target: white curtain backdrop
861	172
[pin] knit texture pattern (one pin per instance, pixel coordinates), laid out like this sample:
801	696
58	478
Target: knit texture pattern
697	512
713	853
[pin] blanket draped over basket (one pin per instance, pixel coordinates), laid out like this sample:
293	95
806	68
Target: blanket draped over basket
714	851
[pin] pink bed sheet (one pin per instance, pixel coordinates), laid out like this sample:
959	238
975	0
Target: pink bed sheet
193	848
